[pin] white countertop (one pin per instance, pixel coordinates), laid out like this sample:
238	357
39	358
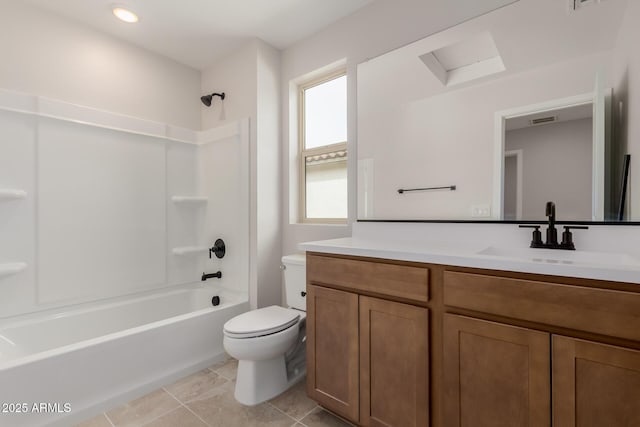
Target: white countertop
582	264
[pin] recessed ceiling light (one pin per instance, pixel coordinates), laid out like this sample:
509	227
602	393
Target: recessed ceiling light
125	15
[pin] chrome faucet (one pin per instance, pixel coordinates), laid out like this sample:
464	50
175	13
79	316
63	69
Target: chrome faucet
552	233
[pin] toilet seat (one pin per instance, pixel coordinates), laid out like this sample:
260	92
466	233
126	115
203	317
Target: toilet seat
260	322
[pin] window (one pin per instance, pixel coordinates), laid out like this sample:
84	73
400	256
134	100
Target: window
323	149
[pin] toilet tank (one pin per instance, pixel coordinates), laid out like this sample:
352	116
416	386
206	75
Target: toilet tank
295	280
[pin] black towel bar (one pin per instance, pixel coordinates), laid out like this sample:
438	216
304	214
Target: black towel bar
448	187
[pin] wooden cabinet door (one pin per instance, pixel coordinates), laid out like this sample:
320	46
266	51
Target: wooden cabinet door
495	375
332	350
595	384
394	364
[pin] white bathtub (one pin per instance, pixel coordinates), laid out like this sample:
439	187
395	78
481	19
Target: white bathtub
84	360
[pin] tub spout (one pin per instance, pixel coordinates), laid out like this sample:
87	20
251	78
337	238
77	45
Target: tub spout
217	274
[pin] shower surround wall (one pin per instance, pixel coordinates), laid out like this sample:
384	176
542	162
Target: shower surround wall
105	212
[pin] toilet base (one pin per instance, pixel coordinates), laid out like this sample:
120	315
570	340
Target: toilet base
261	380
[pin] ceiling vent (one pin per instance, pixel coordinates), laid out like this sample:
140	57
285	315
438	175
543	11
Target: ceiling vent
543	120
575	5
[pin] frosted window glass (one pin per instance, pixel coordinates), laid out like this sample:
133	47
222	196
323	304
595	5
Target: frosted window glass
326	113
327	189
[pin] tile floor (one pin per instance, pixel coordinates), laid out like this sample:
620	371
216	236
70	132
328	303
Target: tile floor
205	399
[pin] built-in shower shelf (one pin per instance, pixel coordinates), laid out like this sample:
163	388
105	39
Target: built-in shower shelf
6	194
189	200
190	250
11	268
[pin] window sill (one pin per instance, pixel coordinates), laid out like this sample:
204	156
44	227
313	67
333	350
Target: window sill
322	224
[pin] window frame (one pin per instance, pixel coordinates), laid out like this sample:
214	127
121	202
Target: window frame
325	149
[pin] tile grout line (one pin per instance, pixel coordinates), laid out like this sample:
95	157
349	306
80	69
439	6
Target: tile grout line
184	405
196	415
159	416
164	413
280	410
309	413
219	374
108	419
303	416
323	410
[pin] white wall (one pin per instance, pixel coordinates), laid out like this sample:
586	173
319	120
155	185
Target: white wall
371	31
94	223
223	169
557	163
268	177
47	55
98	219
627	102
235	75
249	77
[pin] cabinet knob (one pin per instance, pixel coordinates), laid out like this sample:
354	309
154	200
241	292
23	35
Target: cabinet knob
303	294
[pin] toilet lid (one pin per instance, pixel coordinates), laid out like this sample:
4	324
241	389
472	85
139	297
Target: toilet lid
263	321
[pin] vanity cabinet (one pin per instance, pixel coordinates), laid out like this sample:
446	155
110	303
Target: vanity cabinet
394	364
368	356
394	343
495	374
595	384
332	350
499	374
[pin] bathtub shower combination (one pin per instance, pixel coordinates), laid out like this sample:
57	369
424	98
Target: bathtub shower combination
105	226
94	356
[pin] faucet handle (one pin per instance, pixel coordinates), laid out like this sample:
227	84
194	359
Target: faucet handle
536	238
567	236
219	249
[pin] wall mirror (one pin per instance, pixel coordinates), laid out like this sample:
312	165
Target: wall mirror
491	118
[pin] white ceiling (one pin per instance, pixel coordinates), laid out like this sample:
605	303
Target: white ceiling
198	32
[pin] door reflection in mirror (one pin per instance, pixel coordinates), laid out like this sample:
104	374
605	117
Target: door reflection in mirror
548	156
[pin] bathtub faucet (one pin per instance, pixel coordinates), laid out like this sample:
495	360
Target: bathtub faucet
217	275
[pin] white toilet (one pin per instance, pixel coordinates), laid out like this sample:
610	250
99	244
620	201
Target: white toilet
269	342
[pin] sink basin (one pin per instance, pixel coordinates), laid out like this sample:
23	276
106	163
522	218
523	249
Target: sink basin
558	256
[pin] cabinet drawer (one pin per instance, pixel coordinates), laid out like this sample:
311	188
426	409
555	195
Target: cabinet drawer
600	311
400	281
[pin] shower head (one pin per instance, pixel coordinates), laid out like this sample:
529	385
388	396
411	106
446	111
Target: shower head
206	100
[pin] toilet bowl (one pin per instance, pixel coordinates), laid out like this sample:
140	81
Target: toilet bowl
269	342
